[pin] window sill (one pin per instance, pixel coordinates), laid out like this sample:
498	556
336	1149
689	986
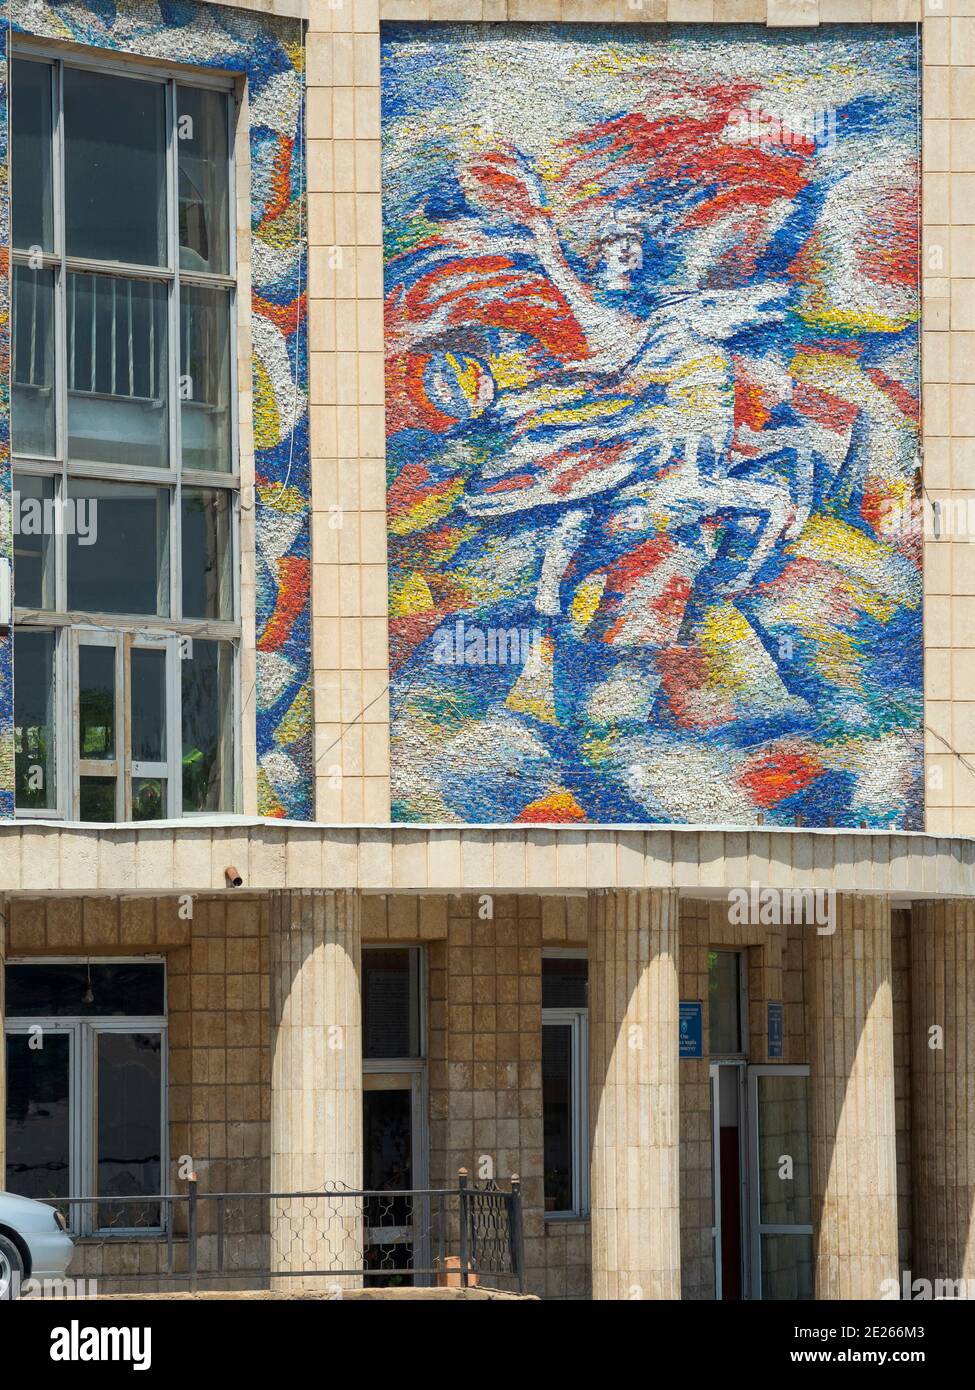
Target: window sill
568	1218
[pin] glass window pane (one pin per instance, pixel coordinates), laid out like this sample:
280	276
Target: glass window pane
565	982
30	155
206	553
33	527
203	148
783	1131
557	1113
206	690
787	1267
148	701
34	739
118	373
118	548
38	1115
148	798
86	989
96	702
114	163
204	386
724	1002
390	1003
32	402
97	799
128	1156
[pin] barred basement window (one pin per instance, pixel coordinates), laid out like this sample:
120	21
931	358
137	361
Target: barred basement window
86	1088
124	441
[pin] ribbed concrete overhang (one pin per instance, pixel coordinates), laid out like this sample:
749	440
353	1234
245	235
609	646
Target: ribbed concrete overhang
191	856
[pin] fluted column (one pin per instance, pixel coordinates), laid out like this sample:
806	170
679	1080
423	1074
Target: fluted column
852	1127
4	919
943	1088
316	1080
633	1052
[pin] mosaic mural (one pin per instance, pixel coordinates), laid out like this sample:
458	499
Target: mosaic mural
269	51
652	413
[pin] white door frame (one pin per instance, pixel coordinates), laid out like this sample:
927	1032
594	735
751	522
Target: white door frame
410	1075
744	1208
757	1229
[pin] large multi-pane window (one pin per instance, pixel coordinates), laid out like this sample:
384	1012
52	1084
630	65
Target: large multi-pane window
86	1088
124	442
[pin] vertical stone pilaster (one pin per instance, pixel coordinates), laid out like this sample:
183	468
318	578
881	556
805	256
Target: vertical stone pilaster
633	1077
316	1080
852	1123
4	919
943	1088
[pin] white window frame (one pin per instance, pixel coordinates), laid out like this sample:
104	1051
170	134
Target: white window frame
59	619
82	1032
577	1020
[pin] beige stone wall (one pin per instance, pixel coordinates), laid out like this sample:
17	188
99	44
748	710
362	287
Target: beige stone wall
484	1049
485	1057
218	1060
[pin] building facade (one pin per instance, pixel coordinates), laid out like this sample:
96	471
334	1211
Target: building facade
486	683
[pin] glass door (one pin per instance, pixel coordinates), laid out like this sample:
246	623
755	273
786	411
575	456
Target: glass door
729	1180
781	1215
394	1161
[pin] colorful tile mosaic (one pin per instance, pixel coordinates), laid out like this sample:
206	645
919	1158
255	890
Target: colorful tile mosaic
652	412
269	52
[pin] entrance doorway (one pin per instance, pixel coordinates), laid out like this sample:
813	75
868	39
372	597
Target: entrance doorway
729	1171
394	1162
762	1232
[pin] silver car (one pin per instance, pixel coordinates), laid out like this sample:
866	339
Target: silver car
34	1243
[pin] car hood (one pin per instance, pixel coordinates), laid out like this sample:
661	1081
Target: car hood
24	1213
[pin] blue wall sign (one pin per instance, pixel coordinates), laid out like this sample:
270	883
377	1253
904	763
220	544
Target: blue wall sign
775	1030
691	1028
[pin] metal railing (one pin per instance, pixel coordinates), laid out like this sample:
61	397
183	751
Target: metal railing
464	1235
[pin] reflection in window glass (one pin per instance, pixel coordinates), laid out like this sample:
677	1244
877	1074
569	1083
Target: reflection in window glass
30	155
118	554
129	1125
85	989
118	373
203	152
557	1112
114	159
783	1128
787	1267
32	402
97	799
38	1115
204	387
724	1002
34	737
148	798
206	553
207	709
33	525
148	700
96	702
